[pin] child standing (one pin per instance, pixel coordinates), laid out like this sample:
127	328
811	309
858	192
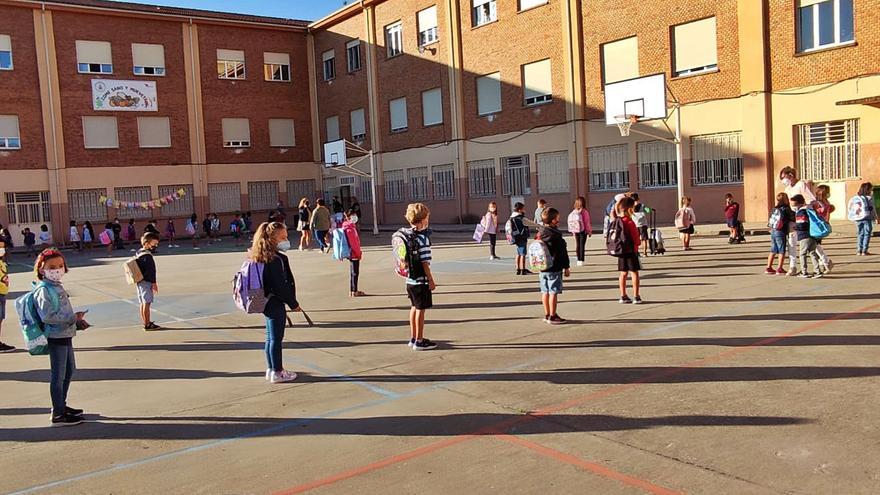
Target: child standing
539	211
30	240
110	236
349	228
248	225
88	234
731	213
684	222
806	244
235	228
780	219
629	264
192	228
60	323
824	209
520	236
420	282
551	278
4	290
170	233
206	226
861	211
131	231
73	234
490	223
45	236
579	226
215	227
147	287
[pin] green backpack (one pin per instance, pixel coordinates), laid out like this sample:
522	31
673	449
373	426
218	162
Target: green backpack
32	327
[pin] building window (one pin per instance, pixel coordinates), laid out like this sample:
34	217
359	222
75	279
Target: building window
5	52
695	47
829	150
394	186
418	183
530	4
432	107
28	207
489	94
329	58
100	132
620	60
148	60
824	23
224	197
353	52
552	172
609	167
481	178
365	191
230	64
276	66
394	39
281	133
154	132
398	115
444	181
717	159
428	26
136	194
85	206
182	207
358	126
332	124
483	12
94	57
10	136
515	176
299	189
262	195
537	82
657	164
236	133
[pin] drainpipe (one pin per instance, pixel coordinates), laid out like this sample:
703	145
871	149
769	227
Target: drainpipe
52	117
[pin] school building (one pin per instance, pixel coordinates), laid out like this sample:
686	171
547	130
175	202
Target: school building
461	101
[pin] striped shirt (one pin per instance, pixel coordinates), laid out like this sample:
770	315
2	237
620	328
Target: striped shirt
423	244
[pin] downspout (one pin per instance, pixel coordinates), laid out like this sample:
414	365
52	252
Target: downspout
52	115
196	107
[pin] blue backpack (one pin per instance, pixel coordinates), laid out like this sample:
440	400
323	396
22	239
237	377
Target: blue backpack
341	249
32	327
819	228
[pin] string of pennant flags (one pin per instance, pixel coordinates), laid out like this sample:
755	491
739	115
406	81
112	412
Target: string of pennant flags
146	205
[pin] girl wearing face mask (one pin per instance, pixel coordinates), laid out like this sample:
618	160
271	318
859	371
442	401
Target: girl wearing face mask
793	187
60	323
270	243
490	223
349	228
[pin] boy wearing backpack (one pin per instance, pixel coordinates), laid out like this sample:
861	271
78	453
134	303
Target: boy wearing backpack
861	211
420	281
551	277
519	235
780	218
806	244
147	287
4	290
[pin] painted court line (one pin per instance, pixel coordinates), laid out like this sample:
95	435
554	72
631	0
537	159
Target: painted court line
427	449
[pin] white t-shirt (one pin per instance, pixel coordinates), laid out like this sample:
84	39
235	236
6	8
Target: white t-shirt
45	238
802	188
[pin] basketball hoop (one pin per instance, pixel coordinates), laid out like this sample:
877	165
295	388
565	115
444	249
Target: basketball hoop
625	122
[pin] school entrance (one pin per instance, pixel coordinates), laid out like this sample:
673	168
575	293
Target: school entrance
27	210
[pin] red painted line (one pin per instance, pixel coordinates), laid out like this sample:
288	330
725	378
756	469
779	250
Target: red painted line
599	469
498	428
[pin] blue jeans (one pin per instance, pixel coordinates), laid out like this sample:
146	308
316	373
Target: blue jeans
63	365
866	228
276	318
319	238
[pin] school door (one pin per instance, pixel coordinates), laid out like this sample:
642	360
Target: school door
27	210
345	185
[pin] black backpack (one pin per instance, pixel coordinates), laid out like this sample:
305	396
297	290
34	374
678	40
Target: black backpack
408	264
618	242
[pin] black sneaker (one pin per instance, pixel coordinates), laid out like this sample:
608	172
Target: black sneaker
625	300
6	348
556	320
73	411
518	271
526	272
424	345
152	326
66	420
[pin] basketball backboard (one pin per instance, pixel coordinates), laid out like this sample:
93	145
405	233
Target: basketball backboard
334	154
643	97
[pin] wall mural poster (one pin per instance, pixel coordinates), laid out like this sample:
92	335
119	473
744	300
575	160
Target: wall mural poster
124	96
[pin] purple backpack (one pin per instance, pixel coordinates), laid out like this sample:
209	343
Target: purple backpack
247	288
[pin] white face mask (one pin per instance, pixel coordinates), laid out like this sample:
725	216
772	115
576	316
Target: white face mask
2	252
353	219
54	275
787	182
283	246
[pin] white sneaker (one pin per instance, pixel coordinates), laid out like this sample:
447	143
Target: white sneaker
170	246
580	263
491	258
282	376
268	374
196	248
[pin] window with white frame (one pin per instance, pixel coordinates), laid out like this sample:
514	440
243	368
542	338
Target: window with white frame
353	52
394	186
483	12
28	207
100	132
365	191
329	58
276	66
85	206
432	107
10	136
299	189
530	4
489	94
5	52
332	128
609	167
236	133
717	159
154	132
537	82
358	126
136	194
620	60
148	59
552	172
515	179
443	177
657	164
281	133
829	150
824	23
695	47
394	39
418	183
481	178
428	26
94	57
224	197
262	195
230	64
398	115
181	207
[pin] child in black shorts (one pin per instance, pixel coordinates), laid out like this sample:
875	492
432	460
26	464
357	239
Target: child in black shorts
420	282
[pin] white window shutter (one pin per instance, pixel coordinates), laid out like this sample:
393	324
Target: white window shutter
489	94
398	114
538	79
432	107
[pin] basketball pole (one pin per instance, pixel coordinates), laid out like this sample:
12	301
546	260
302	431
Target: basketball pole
679	162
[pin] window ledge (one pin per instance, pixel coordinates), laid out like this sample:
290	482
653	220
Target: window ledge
278	80
673	186
484	24
389	57
490	114
825	48
428	126
426	45
354	72
718	184
538	104
695	74
399	131
533	7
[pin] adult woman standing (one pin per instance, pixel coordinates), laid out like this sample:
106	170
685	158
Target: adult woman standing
270	242
302	226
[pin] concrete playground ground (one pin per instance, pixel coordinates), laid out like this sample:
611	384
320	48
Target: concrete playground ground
726	381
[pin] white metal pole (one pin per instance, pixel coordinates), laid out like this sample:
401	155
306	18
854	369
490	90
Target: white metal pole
679	166
373	190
